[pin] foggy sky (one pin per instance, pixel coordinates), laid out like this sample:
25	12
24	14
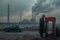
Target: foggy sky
46	6
51	7
16	7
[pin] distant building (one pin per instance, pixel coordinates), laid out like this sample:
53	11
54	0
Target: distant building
26	21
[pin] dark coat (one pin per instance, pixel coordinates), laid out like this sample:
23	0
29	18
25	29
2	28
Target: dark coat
41	25
57	32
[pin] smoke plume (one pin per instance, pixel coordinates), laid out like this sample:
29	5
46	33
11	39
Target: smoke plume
45	6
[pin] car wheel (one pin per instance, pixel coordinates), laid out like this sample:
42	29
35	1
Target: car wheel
20	30
5	30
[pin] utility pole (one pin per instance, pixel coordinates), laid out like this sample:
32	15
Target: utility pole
8	12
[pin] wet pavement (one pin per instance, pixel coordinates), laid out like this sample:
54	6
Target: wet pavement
25	35
19	35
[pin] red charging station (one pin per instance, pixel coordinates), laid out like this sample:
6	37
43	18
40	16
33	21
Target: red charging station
53	20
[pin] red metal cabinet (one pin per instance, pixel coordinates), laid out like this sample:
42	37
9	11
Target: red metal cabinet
53	20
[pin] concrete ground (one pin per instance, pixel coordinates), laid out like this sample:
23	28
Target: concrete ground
25	35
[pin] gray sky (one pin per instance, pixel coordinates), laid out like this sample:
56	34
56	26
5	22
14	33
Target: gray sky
16	7
48	7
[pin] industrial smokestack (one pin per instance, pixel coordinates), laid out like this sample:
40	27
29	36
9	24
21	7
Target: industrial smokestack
20	16
33	16
34	13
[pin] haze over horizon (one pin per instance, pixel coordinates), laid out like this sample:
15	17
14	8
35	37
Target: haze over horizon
48	7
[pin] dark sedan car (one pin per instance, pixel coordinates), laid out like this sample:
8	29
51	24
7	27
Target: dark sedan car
12	29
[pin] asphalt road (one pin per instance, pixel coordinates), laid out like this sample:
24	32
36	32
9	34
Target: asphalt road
32	33
17	35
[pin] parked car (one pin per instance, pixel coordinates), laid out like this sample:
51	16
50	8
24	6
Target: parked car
13	28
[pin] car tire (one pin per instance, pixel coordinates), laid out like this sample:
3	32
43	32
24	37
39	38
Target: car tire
18	30
5	30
